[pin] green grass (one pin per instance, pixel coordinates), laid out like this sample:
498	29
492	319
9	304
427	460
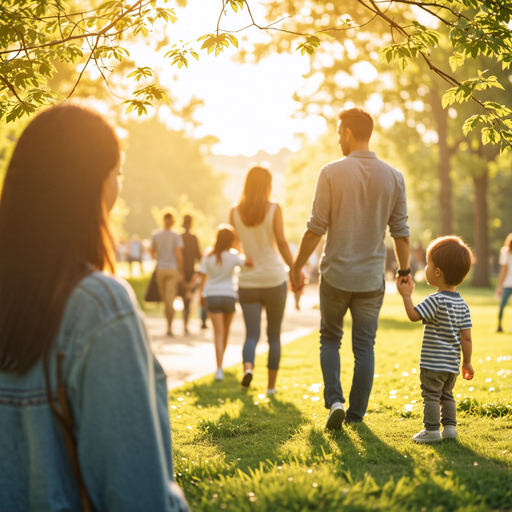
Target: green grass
235	450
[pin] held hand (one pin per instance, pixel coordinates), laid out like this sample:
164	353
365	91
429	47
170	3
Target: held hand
249	262
296	280
467	371
499	291
405	286
181	277
202	301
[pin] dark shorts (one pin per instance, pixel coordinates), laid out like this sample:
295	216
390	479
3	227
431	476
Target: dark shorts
219	304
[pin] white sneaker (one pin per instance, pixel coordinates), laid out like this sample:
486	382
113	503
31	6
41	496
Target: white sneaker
336	416
271	391
219	374
427	436
449	432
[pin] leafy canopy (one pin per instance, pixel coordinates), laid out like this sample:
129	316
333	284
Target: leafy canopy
35	34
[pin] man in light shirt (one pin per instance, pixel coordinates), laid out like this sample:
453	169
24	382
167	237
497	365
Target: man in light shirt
356	199
166	246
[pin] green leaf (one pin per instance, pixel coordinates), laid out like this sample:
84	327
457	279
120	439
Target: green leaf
456	60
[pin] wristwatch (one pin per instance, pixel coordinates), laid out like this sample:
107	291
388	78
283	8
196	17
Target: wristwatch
403	273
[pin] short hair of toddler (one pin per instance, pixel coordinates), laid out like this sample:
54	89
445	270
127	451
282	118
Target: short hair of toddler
453	256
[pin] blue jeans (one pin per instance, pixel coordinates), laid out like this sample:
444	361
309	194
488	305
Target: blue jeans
252	301
364	308
505	295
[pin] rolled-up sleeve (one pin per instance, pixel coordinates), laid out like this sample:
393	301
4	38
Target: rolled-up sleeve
398	221
321	211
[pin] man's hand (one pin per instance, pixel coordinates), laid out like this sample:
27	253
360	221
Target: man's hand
297	280
467	371
405	286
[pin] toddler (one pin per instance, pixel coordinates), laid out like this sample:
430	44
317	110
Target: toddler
447	330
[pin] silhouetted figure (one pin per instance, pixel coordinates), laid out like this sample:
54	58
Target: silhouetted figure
191	255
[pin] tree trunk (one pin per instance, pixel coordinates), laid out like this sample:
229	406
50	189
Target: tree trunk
445	182
481	270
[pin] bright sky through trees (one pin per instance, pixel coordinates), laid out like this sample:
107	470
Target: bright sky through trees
248	107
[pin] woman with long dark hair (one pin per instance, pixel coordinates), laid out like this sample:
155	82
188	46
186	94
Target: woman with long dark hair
259	225
83	401
504	286
217	290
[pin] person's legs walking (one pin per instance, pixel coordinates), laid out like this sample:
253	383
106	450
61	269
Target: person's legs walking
169	284
505	295
227	326
333	307
365	309
274	300
218	336
251	308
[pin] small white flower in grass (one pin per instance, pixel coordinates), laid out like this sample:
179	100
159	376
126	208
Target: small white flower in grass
392	396
315	399
295	385
180	399
315	388
488	358
408	407
393	392
255	403
189	427
314	485
305	396
285	387
488	380
414	370
376	376
173	407
413	401
310	471
405	374
491	389
261	396
471	388
290	478
178	416
397	365
458	396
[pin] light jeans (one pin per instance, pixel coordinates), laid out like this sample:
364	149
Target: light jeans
252	301
364	308
505	295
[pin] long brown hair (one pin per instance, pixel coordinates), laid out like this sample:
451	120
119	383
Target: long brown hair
255	197
53	225
508	242
223	242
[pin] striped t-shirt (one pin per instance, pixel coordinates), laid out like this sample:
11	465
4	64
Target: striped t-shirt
444	314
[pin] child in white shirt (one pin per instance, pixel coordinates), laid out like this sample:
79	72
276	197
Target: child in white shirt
218	291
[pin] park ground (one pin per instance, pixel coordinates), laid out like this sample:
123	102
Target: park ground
237	450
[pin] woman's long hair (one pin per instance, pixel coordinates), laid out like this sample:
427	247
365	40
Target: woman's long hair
223	242
508	242
255	197
53	226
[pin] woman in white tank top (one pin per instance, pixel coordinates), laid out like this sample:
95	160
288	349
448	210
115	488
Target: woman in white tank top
259	225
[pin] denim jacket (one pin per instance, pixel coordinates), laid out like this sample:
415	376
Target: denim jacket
118	397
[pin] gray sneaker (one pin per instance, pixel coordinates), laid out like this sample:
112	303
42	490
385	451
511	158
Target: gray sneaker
336	416
449	432
426	436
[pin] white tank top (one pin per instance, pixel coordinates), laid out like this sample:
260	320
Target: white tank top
259	245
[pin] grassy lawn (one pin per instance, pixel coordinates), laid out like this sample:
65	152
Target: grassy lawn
236	450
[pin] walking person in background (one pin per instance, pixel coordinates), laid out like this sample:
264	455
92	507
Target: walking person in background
135	253
217	290
259	225
83	401
191	255
356	198
504	286
166	246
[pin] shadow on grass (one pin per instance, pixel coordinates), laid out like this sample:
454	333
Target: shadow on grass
486	476
252	429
